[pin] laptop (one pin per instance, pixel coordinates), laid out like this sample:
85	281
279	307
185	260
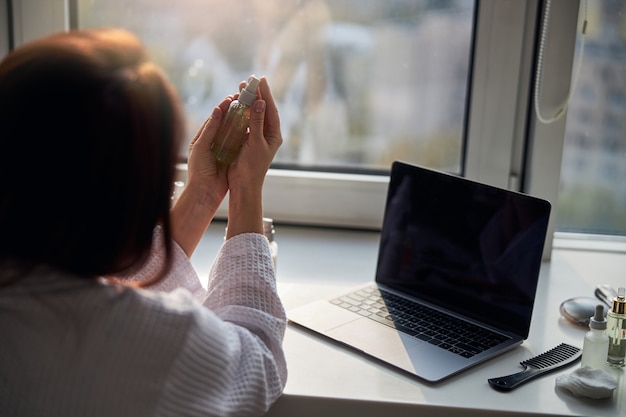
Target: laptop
456	276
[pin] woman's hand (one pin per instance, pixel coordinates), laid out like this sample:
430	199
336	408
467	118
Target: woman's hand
205	188
260	147
207	183
202	171
247	173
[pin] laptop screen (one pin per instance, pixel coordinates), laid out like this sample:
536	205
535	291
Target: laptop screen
468	247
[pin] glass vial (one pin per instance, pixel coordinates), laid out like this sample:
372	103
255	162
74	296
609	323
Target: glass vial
616	329
268	229
232	131
596	342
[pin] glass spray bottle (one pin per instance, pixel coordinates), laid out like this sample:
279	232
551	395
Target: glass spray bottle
232	131
616	329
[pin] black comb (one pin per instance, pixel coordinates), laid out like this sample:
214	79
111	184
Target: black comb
556	358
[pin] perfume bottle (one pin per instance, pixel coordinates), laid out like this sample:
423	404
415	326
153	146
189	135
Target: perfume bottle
596	342
616	329
268	229
232	131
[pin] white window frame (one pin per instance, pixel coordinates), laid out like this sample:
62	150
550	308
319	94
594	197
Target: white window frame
4	23
499	119
35	18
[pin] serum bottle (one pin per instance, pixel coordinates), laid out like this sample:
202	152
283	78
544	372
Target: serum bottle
232	131
596	342
616	329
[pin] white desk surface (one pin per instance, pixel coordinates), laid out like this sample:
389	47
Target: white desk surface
326	379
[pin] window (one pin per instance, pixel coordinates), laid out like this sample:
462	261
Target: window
593	191
4	23
479	108
359	83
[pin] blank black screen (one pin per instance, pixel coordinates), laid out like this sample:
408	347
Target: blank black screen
472	248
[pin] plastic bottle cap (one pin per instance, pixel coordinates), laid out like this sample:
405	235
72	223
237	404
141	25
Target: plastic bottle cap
598	321
248	94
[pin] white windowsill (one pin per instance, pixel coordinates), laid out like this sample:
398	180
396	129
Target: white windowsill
318	262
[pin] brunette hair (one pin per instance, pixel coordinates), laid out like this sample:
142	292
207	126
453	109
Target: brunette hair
89	133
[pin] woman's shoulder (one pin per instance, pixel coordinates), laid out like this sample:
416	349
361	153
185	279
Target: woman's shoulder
179	302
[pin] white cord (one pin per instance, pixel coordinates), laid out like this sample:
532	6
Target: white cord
539	71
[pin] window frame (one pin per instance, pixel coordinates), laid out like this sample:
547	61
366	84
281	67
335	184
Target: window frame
5	36
505	145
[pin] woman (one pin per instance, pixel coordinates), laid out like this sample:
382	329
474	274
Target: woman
101	312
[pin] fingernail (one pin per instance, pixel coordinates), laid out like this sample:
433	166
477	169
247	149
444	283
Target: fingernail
259	106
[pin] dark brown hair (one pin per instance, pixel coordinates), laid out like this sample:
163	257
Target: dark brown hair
89	131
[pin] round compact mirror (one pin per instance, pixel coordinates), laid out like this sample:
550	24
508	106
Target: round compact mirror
579	310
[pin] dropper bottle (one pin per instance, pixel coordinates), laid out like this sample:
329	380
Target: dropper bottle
616	329
232	131
596	342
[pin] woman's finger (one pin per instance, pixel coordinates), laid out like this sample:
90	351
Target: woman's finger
257	121
213	121
272	120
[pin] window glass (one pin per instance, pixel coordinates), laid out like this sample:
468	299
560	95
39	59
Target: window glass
359	83
593	186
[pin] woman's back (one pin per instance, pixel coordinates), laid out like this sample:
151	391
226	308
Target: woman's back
92	348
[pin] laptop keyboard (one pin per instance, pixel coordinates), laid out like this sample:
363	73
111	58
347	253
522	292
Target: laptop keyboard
447	332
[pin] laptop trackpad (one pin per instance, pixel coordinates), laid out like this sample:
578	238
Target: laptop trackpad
379	341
